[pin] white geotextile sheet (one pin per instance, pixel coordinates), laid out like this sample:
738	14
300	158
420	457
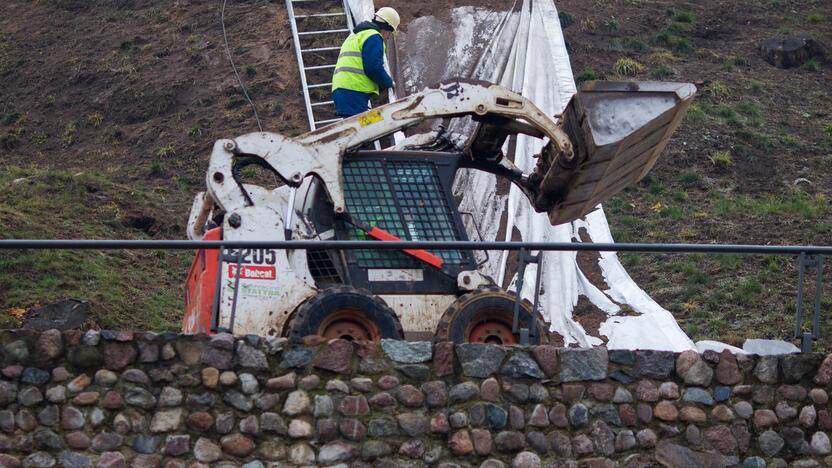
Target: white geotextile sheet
523	49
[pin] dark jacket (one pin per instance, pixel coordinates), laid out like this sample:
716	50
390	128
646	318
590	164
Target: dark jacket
349	102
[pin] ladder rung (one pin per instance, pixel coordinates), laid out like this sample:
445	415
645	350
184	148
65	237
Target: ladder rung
327	31
319	67
320	49
316	104
320	15
322	85
326	121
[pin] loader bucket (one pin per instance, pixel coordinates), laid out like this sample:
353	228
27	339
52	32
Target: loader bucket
618	130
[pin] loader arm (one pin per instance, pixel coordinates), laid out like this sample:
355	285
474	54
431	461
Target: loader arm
609	136
321	152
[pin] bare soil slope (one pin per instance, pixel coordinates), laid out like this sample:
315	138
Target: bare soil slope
108	111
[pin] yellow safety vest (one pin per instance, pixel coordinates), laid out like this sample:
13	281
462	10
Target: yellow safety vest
349	69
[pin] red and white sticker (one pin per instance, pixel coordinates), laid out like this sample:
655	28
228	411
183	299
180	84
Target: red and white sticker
253	272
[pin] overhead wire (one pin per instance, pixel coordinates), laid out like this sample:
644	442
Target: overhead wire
234	67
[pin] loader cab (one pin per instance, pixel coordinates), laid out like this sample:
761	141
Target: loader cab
406	193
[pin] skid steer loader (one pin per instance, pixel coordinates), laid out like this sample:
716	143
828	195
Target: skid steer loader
609	136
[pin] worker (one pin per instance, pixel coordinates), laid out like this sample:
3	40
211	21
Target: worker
360	73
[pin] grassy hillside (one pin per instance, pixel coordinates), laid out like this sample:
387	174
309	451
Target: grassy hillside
752	163
109	109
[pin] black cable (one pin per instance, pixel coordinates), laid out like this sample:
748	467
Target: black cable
234	67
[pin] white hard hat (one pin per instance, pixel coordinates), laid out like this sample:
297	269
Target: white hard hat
389	16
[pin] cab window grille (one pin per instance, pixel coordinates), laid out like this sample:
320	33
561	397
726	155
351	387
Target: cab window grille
403	198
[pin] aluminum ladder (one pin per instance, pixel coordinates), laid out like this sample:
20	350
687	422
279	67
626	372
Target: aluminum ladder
311	106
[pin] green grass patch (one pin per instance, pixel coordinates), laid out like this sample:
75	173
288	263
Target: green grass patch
10	118
565	19
793	203
630	259
729	262
748	108
717	90
672	212
679	195
689	178
789	140
695	113
690	267
166	151
661	72
127	289
683	17
758	139
627	44
681	45
748	291
812	65
587	74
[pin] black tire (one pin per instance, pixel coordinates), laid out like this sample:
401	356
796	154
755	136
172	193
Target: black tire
309	316
475	306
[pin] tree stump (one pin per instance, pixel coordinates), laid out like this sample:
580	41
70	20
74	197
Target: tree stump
791	51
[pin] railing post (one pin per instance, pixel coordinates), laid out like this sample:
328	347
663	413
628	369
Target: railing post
236	291
807	337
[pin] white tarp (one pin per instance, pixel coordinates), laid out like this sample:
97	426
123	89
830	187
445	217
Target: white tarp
523	49
361	10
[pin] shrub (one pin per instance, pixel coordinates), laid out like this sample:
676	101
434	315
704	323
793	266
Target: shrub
812	65
721	159
194	131
588	25
611	24
95	119
663	56
165	151
717	90
69	137
627	67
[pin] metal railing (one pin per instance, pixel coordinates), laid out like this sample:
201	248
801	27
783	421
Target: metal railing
808	257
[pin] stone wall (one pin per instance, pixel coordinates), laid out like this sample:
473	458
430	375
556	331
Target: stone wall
121	399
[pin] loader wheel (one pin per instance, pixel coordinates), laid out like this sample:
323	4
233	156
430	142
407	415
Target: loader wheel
347	313
485	316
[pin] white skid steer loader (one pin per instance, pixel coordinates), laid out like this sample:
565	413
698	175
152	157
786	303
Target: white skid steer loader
609	136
